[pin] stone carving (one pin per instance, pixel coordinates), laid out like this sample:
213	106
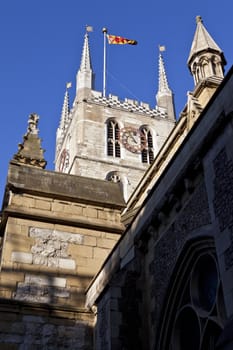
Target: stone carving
32	123
51	247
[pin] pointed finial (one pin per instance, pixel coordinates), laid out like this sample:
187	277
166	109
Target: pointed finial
89	28
30	151
202	41
199	19
163	83
164	95
85	60
162	48
32	124
68	85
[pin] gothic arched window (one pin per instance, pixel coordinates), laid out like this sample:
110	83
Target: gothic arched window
113	139
196	312
147	154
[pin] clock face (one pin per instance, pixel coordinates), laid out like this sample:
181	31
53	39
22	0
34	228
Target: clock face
132	139
64	160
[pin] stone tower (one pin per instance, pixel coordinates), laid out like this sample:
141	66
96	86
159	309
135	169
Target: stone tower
105	138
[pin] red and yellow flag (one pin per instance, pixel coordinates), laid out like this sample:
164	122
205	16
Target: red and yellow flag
119	40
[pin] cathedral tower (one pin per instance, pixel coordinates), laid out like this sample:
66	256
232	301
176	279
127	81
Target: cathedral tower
109	139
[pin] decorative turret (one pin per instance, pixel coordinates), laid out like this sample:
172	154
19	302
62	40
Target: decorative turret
206	60
85	75
30	151
206	63
164	95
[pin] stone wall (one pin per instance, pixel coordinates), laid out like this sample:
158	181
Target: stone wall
219	179
48	262
55	237
163	254
85	140
30	327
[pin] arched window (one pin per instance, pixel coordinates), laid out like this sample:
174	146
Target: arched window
114	176
147	154
194	316
113	139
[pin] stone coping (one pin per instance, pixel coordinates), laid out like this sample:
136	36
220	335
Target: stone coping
27	179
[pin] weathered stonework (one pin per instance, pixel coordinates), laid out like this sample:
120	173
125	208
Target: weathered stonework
223	186
193	216
41	289
43	329
51	247
56	237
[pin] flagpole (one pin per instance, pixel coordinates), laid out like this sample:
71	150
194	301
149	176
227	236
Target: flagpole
104	31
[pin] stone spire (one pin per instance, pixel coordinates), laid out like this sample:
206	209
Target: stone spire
64	121
65	111
164	95
206	59
30	151
85	75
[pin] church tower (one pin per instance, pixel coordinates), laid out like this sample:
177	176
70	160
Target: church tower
109	139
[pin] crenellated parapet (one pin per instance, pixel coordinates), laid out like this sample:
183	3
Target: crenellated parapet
127	104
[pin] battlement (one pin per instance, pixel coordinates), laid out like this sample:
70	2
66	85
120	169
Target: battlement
130	105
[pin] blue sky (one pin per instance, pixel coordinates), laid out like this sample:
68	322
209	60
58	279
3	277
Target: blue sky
41	44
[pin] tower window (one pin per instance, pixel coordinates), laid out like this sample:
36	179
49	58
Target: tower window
147	154
113	139
114	176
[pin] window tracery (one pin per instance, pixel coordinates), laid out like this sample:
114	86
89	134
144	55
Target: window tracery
113	176
147	154
196	310
113	139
